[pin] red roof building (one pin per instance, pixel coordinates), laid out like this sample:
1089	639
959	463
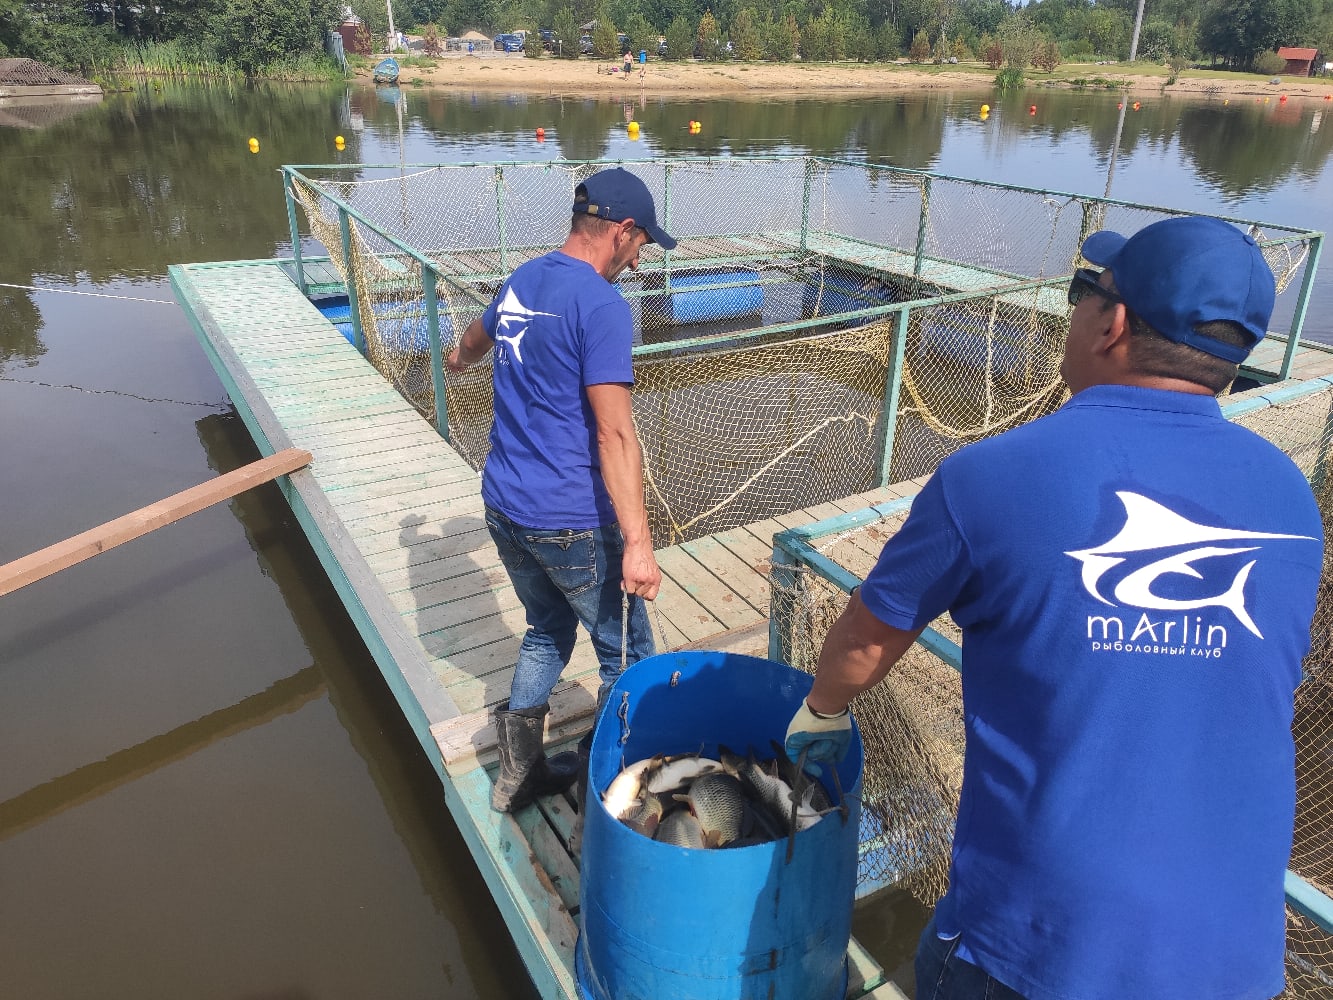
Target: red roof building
1299	61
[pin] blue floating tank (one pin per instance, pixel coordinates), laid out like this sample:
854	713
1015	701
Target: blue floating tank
741	923
696	298
831	293
414	332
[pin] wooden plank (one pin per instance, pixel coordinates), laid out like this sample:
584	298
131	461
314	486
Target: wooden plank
469	741
737	573
44	562
712	593
863	972
543	928
551	853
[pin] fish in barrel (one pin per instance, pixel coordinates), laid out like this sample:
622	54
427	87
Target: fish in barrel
696	802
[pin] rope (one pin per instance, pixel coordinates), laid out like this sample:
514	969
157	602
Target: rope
95	295
112	392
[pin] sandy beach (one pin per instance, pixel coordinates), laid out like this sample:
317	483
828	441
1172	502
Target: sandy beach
514	73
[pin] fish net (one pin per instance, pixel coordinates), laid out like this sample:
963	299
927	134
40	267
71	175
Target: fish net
823	329
912	723
767	342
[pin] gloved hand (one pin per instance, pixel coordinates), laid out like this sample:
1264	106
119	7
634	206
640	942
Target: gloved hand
822	738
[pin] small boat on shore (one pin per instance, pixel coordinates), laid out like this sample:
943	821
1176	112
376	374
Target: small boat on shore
386	72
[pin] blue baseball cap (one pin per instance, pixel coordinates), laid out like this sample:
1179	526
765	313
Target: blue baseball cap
1183	271
617	195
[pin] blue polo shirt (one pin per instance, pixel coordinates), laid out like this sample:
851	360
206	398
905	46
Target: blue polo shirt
558	326
1135	579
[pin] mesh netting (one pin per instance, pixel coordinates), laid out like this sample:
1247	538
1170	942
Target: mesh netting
765	340
822	328
31	73
913	725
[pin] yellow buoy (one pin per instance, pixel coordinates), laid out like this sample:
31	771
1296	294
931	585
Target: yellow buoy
254	145
339	142
985	109
633	126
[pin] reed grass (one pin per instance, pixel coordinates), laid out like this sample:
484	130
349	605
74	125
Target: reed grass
176	60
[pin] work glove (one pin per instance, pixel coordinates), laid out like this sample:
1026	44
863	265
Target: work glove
822	738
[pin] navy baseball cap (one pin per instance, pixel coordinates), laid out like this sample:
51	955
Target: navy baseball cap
1183	271
617	195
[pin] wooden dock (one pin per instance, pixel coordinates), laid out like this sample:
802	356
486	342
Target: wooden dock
395	516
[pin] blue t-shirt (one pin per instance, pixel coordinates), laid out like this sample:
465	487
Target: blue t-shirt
558	326
1135	579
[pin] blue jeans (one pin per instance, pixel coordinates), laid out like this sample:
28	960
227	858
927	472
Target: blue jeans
565	576
942	975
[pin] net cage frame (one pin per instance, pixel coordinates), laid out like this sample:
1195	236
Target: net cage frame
811	582
887	290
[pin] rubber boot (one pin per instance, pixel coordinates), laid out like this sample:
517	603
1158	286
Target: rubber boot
525	772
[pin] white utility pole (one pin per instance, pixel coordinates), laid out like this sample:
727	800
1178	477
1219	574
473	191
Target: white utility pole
1134	42
393	35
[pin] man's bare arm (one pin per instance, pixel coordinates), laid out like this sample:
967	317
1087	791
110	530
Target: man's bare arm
622	471
858	652
472	347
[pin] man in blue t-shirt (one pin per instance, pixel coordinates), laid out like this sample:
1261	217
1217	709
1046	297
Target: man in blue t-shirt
1135	578
563	483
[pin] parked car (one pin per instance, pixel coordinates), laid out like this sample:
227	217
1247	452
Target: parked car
509	43
585	45
548	38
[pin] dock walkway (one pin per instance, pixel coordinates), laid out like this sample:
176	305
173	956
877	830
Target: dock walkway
395	516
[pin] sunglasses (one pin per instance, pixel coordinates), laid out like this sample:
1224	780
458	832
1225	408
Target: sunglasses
1085	281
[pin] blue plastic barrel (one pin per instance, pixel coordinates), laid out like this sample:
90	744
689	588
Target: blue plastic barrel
742	923
412	334
840	293
707	303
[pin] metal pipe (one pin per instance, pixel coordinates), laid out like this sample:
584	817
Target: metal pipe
436	352
353	299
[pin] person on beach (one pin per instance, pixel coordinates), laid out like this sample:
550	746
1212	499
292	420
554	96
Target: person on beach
563	483
1135	578
629	62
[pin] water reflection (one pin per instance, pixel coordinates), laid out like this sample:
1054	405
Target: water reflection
271	768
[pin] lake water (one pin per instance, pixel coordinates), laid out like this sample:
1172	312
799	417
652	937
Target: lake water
208	790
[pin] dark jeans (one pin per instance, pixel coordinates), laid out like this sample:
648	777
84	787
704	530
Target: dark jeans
942	975
563	577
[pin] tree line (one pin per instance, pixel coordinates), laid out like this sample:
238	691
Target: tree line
254	34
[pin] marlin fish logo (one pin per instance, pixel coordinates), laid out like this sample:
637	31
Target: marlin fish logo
512	312
1148	526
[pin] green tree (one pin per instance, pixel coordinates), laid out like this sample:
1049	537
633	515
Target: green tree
709	42
253	34
746	40
642	35
1238	30
1019	39
605	43
1047	55
920	51
679	39
567	33
780	37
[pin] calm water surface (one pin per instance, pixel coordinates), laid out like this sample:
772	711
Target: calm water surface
208	790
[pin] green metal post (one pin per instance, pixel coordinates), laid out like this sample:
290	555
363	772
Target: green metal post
436	351
296	233
805	202
500	218
893	385
921	227
1302	303
782	603
666	224
353	299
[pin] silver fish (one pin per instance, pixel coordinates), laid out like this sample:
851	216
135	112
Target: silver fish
681	829
718	802
622	794
678	771
646	814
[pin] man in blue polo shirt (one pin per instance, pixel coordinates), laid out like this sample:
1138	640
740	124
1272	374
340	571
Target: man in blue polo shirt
1135	578
563	483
